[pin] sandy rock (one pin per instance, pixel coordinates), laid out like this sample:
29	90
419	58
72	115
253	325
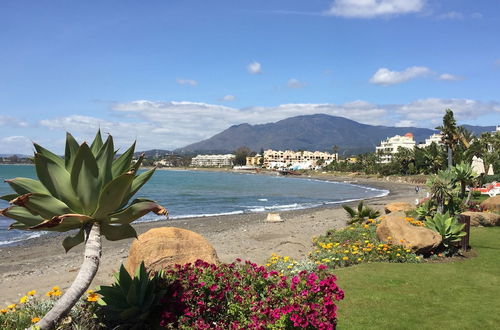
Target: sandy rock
274	217
492	204
161	248
398	206
486	219
418	239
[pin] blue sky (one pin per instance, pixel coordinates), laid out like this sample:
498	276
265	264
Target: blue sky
173	72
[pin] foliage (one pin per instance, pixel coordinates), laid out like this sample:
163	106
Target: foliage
130	301
285	265
464	174
442	188
247	296
241	154
87	186
31	308
357	244
448	227
361	214
449	132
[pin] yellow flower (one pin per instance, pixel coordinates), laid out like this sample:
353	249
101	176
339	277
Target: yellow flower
359	259
56	288
57	293
3	311
289	266
93	296
286	258
345	258
23	300
31	293
35	320
11	306
398	255
407	250
50	293
418	258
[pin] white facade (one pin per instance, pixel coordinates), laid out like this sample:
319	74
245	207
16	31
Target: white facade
436	138
296	159
390	146
213	160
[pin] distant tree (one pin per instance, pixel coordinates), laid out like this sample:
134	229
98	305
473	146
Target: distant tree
449	131
241	155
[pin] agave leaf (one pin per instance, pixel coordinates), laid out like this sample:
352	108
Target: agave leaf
112	297
122	164
97	143
22	215
9	197
112	195
124	280
72	241
48	154
138	163
130	313
57	181
45	205
144	283
137	184
18	225
132	296
135	211
24	185
104	161
70	151
84	178
63	223
118	232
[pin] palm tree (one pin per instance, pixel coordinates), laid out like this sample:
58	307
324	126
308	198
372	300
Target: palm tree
450	134
87	190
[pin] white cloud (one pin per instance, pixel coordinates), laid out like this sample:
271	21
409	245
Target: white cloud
189	82
384	76
16	145
295	83
448	77
374	8
11	121
228	98
405	123
451	15
254	68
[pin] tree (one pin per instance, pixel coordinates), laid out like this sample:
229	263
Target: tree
450	134
88	190
441	187
241	155
464	174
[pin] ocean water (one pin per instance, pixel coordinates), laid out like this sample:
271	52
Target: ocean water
197	194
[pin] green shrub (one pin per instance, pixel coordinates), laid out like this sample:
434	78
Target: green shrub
448	227
361	214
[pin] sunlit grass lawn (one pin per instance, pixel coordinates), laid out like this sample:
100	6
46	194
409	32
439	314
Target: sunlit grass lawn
456	295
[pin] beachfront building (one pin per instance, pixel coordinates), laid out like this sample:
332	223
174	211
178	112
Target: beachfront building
213	160
390	146
297	159
254	160
436	138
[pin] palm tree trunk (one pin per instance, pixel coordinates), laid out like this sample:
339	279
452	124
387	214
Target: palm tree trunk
450	158
81	283
462	189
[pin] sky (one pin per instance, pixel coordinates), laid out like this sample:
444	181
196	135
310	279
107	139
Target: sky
171	73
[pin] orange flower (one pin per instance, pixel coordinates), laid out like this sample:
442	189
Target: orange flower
31	293
35	320
93	297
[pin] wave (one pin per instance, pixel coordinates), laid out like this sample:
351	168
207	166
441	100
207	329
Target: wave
21	239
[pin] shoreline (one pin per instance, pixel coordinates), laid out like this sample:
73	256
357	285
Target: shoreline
42	260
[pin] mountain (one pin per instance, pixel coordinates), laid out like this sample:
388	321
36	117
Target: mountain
153	153
310	132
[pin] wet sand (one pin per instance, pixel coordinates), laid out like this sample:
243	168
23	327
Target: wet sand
41	263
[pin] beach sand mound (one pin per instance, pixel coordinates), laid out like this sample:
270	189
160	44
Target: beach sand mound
162	248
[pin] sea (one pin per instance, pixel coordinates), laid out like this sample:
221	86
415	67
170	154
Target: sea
187	194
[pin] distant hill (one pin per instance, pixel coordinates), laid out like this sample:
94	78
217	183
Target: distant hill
153	153
311	132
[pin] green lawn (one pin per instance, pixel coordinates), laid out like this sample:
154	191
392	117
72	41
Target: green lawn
455	295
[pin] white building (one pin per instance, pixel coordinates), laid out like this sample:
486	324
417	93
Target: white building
436	138
390	146
296	159
213	160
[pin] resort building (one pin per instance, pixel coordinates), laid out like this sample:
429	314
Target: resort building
436	138
254	160
390	146
297	159
213	160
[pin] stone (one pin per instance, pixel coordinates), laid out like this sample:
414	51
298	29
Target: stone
273	217
491	204
398	206
420	240
487	219
162	248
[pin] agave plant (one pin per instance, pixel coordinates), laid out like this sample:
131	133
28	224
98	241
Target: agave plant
88	190
447	226
130	300
362	213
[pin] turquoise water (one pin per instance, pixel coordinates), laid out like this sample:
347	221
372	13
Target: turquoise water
194	194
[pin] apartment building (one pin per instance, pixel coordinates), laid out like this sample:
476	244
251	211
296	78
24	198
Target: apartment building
390	146
213	160
296	159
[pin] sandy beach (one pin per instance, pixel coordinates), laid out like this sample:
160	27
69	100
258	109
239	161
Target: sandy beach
41	263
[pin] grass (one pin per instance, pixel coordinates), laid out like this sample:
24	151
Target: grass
454	295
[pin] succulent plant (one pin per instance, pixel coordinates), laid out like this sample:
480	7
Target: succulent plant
447	226
87	186
88	190
130	300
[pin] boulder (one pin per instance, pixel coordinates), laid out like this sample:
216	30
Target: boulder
487	219
420	240
491	204
397	207
162	248
274	217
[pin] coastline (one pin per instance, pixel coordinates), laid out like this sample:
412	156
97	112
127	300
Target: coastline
41	263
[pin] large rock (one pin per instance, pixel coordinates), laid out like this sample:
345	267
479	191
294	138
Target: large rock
487	219
162	248
420	240
397	207
492	204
